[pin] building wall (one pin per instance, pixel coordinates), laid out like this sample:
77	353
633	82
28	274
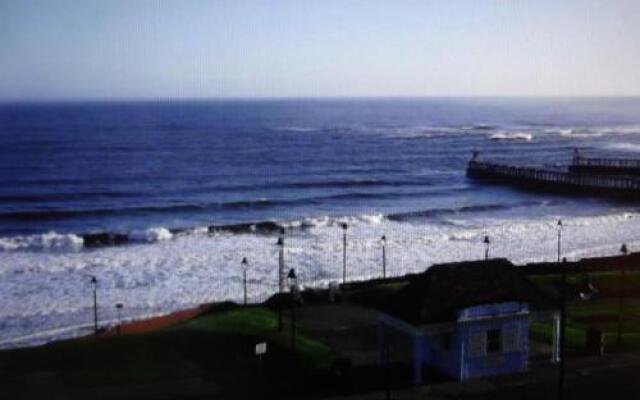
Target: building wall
481	363
437	355
467	356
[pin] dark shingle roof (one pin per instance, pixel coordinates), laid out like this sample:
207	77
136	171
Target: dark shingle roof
437	294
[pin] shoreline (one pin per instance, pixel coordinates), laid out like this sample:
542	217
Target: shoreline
630	262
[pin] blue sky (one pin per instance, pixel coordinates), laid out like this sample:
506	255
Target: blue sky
200	49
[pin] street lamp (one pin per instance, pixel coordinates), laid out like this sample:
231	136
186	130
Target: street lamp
623	251
281	264
559	238
292	279
586	293
293	285
344	252
94	281
563	311
119	311
383	240
281	268
487	242
245	266
387	378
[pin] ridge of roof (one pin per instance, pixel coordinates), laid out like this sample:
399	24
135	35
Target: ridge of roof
441	291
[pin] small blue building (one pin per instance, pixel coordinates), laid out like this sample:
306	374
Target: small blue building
468	320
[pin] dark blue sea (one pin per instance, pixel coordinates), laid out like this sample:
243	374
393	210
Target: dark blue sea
188	188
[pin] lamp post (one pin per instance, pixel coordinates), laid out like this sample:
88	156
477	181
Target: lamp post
344	252
487	242
559	238
281	263
94	281
383	240
119	311
280	245
623	251
293	284
387	378
563	312
245	266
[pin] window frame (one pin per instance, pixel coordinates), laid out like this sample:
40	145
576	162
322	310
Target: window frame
493	341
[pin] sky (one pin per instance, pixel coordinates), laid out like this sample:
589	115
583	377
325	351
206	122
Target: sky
142	49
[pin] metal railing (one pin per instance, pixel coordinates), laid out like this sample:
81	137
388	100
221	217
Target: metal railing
556	177
606	162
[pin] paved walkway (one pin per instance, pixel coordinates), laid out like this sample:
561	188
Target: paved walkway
611	377
348	328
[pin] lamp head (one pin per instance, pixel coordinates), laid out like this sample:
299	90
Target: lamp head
119	306
559	223
244	262
280	242
486	240
94	280
344	226
292	274
383	239
624	249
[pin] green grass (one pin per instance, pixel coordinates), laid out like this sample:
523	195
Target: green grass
86	362
249	321
180	352
575	337
608	283
601	312
263	324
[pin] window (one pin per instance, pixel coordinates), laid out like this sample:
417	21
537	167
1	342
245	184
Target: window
447	339
493	341
511	339
477	341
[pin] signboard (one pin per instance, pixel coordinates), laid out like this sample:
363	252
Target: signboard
261	348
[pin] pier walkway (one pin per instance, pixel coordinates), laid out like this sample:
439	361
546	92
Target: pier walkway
604	166
557	181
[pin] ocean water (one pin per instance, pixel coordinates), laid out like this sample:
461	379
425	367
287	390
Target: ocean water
192	187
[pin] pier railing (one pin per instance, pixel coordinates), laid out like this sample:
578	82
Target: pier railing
606	162
528	174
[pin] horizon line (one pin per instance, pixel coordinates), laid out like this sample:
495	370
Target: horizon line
167	99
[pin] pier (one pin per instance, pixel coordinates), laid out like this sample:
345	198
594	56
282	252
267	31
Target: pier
604	166
583	182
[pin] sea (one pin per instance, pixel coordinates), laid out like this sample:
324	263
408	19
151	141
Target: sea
161	200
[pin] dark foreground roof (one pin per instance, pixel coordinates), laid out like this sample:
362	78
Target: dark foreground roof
437	294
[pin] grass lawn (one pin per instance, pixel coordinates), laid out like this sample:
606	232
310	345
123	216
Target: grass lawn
211	354
262	324
108	361
600	312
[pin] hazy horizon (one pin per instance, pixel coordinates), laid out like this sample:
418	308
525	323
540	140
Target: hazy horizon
191	50
308	98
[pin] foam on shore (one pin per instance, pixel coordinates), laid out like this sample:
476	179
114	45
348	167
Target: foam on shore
50	291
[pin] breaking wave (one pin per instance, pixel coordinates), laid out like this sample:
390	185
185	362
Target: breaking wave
479	127
45	241
53	240
511	136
